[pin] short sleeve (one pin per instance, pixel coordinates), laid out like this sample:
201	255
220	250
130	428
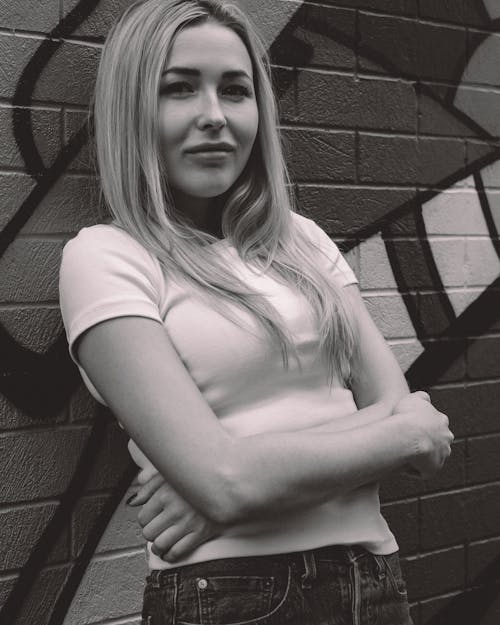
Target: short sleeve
331	261
105	274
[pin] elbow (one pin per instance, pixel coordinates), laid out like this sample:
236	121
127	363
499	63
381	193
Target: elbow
233	501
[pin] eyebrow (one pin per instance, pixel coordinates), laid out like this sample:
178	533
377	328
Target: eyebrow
190	71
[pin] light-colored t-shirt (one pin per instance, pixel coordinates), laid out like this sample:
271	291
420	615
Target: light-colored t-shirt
105	273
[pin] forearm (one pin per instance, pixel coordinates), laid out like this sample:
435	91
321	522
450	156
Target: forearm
365	416
286	471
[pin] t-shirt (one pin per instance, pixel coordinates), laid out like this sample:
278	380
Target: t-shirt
106	273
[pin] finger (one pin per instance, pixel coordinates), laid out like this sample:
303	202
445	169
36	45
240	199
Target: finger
423	395
185	546
147	490
151	509
160	523
163	543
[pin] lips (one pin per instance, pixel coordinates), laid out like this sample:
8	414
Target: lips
208	148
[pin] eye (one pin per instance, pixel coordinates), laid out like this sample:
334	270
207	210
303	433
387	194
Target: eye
178	88
236	92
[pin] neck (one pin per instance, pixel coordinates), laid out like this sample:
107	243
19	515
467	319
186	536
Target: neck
205	213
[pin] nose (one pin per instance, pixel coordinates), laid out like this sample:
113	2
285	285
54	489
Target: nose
211	113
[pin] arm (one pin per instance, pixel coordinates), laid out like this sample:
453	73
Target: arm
228	479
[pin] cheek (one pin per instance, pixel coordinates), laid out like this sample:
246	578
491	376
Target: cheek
248	128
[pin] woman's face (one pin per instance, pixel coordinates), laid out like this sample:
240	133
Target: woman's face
208	112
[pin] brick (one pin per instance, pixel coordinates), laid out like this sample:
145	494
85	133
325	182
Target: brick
482	562
461	299
390	315
30	271
471	409
483	459
456	11
111	459
38	603
309	92
483	264
453	518
434	573
83	408
39	464
111	588
404	160
12	417
98	23
72	203
410	48
483	358
342	212
439	610
375	267
476	151
480	105
29	15
448	255
456	370
388	159
122	532
341	101
314	39
398	7
45	128
481	67
455	212
320	156
437	117
399	486
85	160
14	189
386	105
439	158
33	328
406	352
433	319
68	77
402	518
21	529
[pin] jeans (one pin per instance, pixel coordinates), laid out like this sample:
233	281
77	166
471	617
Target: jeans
327	586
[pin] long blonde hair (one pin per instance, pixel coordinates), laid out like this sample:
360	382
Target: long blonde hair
256	217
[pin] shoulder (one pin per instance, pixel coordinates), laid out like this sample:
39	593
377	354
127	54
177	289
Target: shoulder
104	236
103	245
316	235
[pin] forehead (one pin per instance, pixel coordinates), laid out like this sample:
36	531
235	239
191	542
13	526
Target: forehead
209	47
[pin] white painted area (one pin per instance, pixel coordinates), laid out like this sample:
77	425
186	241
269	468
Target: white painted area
482	263
375	268
491	181
269	16
460	243
110	589
493	8
456	211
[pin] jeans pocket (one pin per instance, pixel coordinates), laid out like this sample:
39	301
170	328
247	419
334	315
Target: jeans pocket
236	600
394	573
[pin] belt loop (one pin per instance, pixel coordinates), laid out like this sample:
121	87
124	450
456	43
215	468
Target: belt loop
311	572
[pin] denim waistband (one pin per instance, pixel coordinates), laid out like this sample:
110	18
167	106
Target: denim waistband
304	561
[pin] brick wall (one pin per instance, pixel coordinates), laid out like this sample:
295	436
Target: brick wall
390	117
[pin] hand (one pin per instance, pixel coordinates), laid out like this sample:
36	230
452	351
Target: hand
429	430
171	523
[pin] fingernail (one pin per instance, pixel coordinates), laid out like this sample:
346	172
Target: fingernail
131	499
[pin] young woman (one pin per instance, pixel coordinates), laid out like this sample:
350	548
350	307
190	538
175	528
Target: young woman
228	336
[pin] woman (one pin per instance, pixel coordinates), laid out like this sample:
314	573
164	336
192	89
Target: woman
228	336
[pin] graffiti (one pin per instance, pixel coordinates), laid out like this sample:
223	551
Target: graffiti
41	384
